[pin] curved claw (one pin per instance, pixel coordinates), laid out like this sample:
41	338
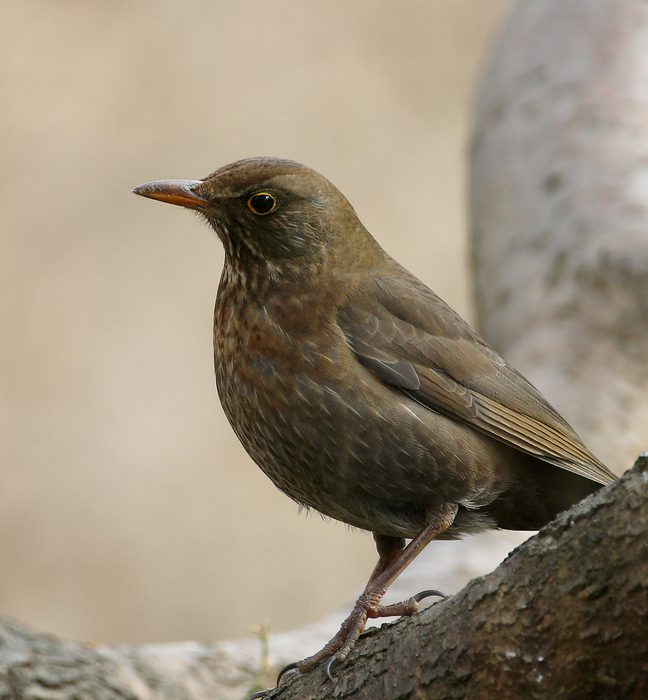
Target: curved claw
329	666
260	694
426	594
294	666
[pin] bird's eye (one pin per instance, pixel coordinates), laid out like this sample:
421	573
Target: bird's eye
262	203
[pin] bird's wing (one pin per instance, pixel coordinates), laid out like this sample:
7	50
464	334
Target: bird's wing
410	339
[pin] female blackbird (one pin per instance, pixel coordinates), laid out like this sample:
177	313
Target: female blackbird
358	391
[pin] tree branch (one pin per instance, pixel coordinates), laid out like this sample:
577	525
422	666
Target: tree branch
566	610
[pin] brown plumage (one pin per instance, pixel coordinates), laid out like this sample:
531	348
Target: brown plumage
358	391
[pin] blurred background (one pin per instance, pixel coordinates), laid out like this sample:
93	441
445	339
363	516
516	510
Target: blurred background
128	510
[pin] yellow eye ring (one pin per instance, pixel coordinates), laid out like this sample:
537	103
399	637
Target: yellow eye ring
262	203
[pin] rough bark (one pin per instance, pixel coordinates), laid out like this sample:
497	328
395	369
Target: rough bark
564	616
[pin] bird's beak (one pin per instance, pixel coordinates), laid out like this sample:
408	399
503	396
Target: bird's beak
181	192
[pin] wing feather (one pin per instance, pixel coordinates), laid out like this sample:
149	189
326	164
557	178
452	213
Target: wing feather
410	339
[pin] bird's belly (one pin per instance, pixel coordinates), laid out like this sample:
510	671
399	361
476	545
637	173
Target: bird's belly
335	439
292	423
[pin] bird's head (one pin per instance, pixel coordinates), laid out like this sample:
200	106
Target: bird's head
272	210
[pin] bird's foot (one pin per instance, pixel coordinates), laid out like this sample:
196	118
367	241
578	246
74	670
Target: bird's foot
405	607
339	648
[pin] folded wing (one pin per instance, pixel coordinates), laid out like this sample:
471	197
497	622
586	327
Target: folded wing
410	339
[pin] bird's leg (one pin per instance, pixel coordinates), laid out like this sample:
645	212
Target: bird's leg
393	560
389	548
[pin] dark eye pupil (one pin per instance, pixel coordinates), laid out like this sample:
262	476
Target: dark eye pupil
262	203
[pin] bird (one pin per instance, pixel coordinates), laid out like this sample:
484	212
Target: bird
359	392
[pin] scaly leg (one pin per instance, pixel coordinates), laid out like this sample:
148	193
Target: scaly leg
393	560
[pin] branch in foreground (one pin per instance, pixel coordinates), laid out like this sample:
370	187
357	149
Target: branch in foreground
563	617
567	610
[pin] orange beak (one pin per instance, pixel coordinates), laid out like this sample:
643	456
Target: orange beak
181	192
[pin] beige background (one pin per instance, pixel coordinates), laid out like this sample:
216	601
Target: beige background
128	511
